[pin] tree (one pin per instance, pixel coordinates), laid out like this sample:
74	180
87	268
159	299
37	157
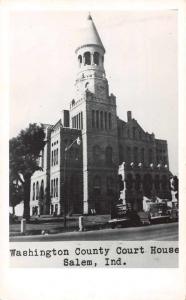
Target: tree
24	152
175	185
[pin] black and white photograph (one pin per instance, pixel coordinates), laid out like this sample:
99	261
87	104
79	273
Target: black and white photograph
93	126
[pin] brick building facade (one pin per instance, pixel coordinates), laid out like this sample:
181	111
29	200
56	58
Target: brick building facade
81	178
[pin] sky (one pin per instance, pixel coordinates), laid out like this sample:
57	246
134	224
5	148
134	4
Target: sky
140	65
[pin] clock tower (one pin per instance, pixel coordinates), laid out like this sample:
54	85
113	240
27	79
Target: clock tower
93	111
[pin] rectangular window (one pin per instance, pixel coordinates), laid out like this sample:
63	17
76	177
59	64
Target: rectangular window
52	188
93	118
77	117
56	187
101	120
42	159
52	158
81	120
57	156
110	121
76	121
97	119
105	120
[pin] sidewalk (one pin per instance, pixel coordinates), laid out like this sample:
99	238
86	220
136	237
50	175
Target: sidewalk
52	225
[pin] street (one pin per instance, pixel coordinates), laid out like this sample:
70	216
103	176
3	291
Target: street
156	232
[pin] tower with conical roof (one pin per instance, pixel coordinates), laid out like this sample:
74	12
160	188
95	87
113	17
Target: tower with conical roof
94	112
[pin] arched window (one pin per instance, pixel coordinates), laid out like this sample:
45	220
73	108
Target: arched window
96	153
96	58
120	154
108	155
86	85
37	190
80	60
33	198
87	58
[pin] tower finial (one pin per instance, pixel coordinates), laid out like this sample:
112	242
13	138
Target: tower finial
89	16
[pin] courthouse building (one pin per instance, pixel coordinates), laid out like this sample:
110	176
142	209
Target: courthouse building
92	158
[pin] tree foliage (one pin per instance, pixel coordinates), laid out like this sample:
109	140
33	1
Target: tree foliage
176	185
24	152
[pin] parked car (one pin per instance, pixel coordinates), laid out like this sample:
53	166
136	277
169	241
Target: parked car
158	212
173	212
119	216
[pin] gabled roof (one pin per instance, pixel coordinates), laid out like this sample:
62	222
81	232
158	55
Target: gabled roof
90	35
58	124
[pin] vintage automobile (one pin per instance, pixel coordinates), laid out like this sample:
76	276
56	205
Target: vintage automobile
158	212
173	212
119	216
123	216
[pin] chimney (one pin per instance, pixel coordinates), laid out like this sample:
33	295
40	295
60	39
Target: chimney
65	118
129	116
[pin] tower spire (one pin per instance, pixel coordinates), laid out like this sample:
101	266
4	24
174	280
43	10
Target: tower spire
90	35
89	16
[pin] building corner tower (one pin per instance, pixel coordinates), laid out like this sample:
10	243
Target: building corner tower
94	112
